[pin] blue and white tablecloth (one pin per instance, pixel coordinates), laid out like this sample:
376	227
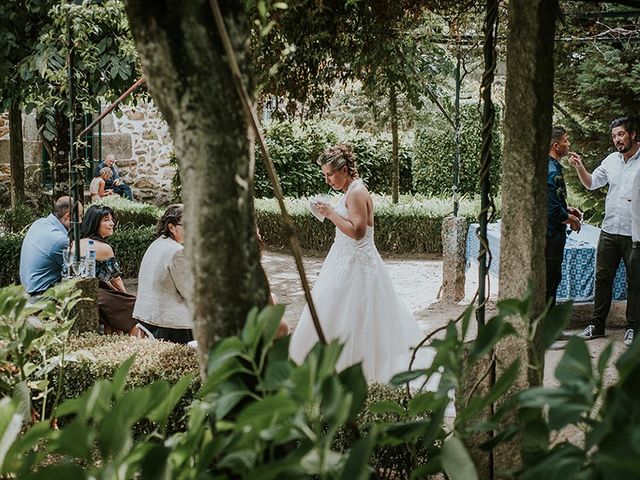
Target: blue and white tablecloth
578	267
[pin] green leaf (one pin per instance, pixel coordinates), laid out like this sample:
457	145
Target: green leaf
422	403
575	365
352	378
488	336
357	466
120	376
161	413
386	406
456	461
502	384
555	322
406	377
10	425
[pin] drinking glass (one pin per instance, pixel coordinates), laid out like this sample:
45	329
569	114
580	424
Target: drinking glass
66	258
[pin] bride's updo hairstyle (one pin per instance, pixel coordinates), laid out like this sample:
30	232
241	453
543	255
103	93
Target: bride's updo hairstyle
339	156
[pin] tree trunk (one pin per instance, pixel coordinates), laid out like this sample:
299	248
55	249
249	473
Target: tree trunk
184	63
16	154
528	116
395	177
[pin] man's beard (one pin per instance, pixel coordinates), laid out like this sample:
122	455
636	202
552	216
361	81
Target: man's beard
623	147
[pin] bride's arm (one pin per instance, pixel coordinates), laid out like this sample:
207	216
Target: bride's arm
355	225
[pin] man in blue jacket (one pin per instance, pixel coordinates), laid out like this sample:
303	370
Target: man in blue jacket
41	252
559	215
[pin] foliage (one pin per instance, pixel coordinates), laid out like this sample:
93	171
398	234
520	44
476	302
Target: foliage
260	415
131	214
294	148
129	246
414	225
10	245
30	334
105	59
434	152
595	82
17	218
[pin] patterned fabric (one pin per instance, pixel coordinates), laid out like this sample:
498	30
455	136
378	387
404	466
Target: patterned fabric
107	270
578	266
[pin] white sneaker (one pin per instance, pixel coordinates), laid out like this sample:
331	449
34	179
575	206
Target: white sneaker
590	333
628	337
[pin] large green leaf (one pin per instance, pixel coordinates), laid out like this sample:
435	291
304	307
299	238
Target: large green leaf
488	336
160	414
353	379
456	461
10	425
555	322
357	466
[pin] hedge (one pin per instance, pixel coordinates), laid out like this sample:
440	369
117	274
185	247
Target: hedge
95	357
412	226
434	150
294	148
129	246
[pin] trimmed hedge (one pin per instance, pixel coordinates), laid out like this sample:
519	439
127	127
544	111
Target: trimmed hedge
130	214
93	357
129	246
412	226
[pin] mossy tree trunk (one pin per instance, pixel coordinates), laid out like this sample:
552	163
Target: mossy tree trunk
528	116
184	63
16	154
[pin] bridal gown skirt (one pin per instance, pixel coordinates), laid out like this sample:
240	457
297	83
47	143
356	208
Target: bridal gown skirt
357	304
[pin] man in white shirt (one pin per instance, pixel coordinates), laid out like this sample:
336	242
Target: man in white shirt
618	170
633	297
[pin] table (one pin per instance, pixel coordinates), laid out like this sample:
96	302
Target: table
578	266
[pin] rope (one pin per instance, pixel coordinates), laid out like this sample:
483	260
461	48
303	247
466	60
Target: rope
249	109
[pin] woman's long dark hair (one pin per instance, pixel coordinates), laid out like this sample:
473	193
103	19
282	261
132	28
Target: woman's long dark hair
91	222
172	215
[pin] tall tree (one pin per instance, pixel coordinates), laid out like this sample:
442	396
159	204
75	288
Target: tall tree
384	45
185	66
105	64
20	25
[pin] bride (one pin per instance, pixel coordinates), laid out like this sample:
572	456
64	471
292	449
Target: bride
354	297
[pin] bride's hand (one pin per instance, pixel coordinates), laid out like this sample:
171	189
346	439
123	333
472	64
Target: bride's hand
324	209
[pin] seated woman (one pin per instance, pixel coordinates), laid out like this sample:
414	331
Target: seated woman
114	304
97	186
163	284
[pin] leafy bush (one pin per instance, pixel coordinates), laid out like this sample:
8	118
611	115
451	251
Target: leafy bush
434	152
294	148
129	246
130	214
412	226
17	218
10	245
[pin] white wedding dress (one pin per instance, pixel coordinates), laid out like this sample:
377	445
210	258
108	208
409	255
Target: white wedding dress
356	303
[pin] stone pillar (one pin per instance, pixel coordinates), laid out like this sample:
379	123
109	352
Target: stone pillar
86	310
527	130
454	247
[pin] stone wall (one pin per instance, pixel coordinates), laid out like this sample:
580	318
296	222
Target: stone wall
138	138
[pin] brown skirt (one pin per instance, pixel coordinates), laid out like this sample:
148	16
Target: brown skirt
115	308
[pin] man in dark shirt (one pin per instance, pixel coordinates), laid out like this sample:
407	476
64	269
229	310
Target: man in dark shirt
558	214
115	183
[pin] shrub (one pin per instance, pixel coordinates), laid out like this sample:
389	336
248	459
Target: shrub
412	226
130	214
17	218
294	148
129	246
434	152
10	245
